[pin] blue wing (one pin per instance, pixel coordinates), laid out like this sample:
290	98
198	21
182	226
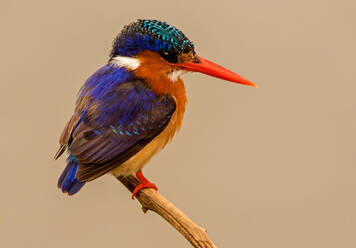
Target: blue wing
116	116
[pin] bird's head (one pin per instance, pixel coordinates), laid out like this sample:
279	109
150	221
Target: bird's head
154	50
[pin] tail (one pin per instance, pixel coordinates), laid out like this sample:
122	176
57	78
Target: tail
67	181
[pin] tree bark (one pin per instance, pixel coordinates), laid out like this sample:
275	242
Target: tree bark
154	201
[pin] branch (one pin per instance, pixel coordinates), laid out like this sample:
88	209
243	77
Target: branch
154	201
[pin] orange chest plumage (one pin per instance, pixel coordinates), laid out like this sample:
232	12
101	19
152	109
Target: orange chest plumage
153	71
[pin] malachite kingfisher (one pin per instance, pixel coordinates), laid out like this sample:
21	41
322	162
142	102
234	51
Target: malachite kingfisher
130	108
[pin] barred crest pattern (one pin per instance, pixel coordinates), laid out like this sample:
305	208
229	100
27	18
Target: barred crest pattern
153	35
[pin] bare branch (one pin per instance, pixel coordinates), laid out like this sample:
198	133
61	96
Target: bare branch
154	201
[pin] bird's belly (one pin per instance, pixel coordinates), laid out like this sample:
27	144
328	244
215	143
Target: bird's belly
139	160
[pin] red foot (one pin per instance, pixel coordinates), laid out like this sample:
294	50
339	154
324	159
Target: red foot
144	184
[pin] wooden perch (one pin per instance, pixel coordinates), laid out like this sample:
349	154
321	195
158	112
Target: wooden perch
154	201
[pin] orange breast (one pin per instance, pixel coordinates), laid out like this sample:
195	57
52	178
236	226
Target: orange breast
153	69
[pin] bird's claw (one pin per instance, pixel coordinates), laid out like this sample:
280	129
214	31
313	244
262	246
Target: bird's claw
142	186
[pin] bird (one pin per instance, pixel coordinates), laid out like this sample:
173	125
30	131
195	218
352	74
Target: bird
131	107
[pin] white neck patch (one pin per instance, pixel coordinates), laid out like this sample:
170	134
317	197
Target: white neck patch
175	75
128	62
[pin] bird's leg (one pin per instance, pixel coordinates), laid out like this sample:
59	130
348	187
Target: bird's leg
144	184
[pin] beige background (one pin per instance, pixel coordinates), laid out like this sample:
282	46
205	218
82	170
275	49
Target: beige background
266	167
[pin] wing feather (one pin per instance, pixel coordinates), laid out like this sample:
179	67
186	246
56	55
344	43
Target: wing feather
113	122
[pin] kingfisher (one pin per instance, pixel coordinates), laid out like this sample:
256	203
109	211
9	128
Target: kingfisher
130	108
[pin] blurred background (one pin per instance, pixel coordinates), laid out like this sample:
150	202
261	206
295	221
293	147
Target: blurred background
272	166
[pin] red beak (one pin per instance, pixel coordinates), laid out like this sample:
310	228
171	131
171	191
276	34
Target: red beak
207	67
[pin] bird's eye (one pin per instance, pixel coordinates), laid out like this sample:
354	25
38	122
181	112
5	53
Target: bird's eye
171	57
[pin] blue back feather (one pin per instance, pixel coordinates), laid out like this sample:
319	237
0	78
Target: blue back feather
116	103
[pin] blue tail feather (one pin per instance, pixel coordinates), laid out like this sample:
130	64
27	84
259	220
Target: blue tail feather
67	181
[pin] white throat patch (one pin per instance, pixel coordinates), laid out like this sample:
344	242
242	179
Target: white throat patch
174	75
128	62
